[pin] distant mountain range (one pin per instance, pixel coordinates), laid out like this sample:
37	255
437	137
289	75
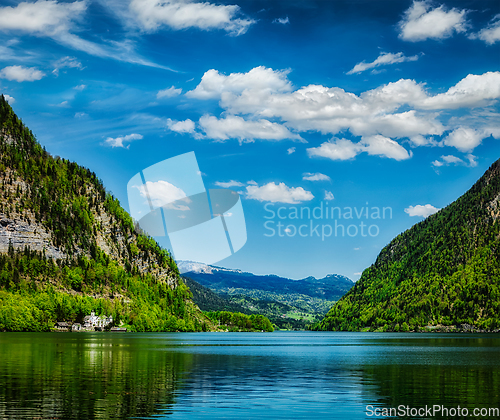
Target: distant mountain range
283	300
331	287
442	274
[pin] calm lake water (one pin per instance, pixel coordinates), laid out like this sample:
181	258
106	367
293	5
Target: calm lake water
281	375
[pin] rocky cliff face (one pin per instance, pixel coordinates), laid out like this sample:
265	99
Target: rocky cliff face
20	228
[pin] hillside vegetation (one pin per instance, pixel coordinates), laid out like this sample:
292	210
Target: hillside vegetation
443	273
67	247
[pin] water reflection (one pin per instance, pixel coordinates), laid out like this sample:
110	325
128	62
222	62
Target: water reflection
270	376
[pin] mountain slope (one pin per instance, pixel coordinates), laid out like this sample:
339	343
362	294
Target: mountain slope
67	247
207	300
443	272
287	303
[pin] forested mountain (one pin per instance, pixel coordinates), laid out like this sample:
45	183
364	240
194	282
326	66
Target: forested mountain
443	273
287	303
331	287
67	247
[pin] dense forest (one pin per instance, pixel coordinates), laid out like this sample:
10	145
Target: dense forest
236	321
442	274
95	258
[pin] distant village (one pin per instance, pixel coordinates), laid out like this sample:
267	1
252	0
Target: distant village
91	322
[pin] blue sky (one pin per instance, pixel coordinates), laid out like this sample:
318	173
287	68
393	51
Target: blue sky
293	104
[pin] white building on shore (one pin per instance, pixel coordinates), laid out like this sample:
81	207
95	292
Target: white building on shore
94	322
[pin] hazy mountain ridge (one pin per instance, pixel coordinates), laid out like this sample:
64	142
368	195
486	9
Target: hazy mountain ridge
286	302
443	273
331	287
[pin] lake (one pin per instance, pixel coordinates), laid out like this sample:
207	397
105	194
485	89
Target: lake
280	375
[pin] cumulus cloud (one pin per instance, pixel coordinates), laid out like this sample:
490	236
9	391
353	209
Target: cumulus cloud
152	15
162	193
290	150
182	127
329	196
21	74
330	110
491	33
382	146
260	79
472	91
422	22
343	149
168	93
421	211
244	130
315	177
120	141
229	184
278	193
336	149
381	116
464	139
383	59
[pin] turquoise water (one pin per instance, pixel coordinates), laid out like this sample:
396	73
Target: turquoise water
281	375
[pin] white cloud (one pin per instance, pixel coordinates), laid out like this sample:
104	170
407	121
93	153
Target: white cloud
422	211
472	91
491	33
9	99
278	193
290	150
329	196
48	18
383	59
244	130
229	184
186	126
464	139
472	160
330	110
168	93
151	15
343	149
21	74
422	22
447	160
336	149
42	18
315	177
260	79
120	141
379	117
162	193
282	21
382	146
80	87
66	62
